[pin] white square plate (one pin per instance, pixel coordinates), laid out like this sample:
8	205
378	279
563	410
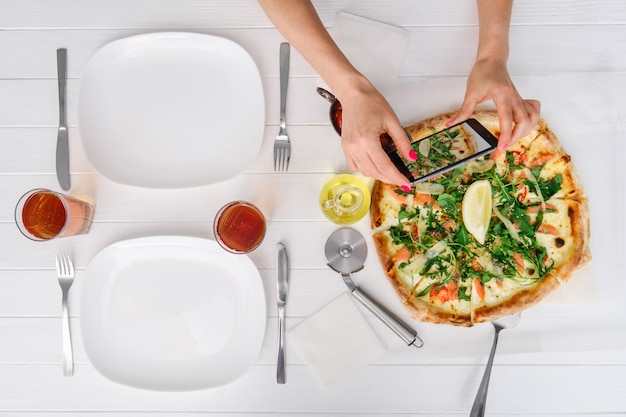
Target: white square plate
171	110
172	313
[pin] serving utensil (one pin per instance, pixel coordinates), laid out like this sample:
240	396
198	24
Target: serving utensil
282	145
480	402
62	151
346	251
282	289
65	274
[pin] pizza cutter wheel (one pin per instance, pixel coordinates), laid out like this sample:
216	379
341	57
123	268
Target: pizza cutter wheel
346	251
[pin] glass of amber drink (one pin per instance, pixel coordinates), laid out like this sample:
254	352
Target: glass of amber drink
42	214
239	227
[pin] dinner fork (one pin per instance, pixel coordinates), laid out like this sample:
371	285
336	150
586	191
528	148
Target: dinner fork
282	145
480	402
65	274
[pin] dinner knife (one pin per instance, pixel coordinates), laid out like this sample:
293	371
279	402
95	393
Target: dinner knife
63	151
282	288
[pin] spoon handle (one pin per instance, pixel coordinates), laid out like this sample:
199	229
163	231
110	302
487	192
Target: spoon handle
480	402
392	321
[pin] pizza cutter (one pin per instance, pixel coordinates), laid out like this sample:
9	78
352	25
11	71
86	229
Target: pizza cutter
346	251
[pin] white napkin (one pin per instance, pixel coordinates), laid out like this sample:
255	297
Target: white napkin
336	341
376	49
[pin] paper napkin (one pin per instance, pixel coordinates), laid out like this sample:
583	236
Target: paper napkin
375	48
336	341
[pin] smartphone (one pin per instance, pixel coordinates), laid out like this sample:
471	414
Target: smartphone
445	150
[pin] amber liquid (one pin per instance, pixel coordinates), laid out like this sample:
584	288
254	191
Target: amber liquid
240	227
46	216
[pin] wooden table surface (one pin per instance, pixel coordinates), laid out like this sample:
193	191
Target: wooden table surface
568	355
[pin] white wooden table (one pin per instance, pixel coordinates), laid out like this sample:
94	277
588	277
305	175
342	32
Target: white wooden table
567	357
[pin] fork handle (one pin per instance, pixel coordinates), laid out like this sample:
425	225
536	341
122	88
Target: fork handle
68	356
284	77
480	402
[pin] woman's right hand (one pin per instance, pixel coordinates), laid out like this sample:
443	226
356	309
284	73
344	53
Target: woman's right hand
366	115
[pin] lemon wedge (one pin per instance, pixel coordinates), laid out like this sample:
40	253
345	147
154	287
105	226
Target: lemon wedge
476	209
424	147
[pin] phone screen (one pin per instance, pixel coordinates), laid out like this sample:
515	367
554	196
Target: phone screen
445	150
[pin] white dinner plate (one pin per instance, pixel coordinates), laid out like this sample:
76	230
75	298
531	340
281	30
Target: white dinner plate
172	313
171	110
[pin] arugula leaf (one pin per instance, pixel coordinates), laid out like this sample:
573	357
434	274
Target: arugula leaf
400	237
462	236
404	214
448	203
521	218
462	293
425	291
550	187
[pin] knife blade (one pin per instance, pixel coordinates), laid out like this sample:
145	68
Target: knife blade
62	150
282	289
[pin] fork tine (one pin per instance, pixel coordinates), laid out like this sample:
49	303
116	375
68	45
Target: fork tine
64	265
68	262
282	160
287	157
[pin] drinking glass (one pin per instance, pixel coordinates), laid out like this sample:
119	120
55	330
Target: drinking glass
43	214
239	227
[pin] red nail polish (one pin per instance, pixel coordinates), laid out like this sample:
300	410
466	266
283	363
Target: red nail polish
449	122
405	188
412	155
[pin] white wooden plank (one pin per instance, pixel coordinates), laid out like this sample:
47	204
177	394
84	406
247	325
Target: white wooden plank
300	414
35	293
246	13
424	390
314	149
430	51
593	98
537	341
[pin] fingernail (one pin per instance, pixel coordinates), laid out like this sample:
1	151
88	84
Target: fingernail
405	188
449	122
412	155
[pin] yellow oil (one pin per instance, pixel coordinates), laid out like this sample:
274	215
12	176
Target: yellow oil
345	199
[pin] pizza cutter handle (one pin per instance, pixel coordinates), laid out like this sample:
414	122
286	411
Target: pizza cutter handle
392	321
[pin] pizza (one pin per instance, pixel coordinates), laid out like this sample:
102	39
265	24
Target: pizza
535	230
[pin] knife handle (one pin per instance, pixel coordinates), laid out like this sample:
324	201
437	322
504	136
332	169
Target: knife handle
403	330
280	363
284	79
62	77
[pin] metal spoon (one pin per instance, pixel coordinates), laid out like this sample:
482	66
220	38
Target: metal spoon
480	402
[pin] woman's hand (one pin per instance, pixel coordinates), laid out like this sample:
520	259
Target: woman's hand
365	116
489	79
